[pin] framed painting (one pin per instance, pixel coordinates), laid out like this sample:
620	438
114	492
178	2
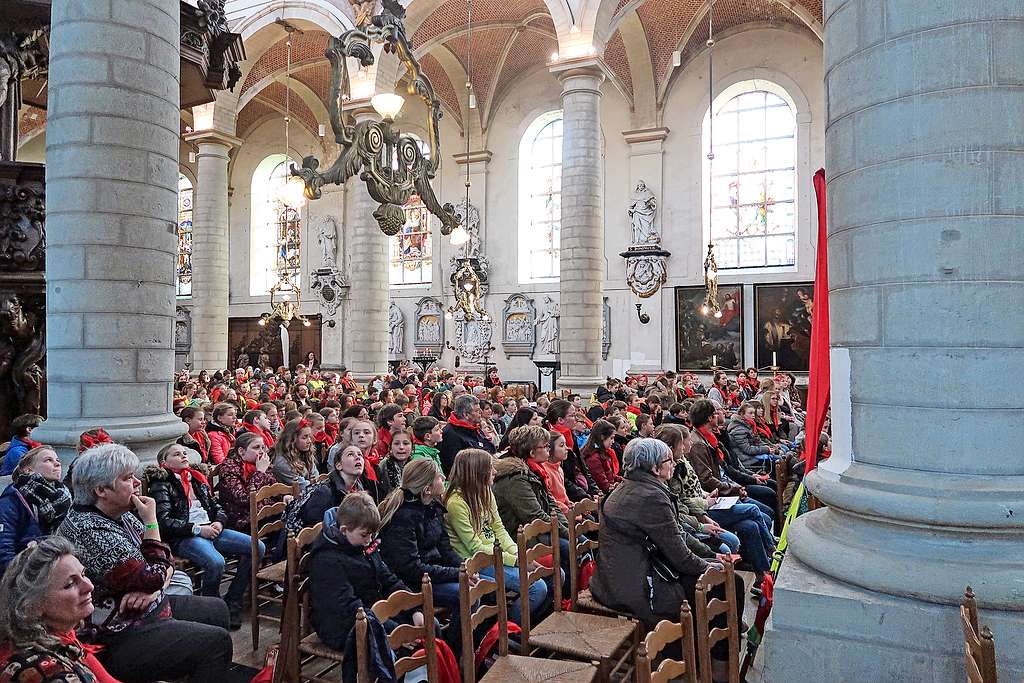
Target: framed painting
782	320
703	341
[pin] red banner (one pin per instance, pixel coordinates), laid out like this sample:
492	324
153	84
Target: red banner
818	381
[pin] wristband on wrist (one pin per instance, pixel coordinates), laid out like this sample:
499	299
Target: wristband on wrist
700	528
153	526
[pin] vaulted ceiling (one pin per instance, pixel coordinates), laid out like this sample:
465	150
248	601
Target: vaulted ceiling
505	42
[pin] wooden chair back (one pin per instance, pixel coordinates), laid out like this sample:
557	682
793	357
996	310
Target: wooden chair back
707	609
407	634
580	524
469	596
781	482
532	550
979	646
295	625
664	634
264	520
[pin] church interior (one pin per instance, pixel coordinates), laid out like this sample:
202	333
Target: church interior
594	200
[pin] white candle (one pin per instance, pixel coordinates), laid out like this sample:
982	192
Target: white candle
775	359
714	361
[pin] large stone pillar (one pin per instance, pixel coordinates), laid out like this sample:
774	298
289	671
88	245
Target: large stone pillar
366	333
112	175
582	229
210	251
926	486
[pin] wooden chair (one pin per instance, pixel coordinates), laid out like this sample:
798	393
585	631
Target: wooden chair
301	647
266	582
611	641
979	647
507	668
582	600
664	634
707	609
407	636
781	481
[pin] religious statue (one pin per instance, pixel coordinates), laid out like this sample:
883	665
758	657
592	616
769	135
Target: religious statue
327	237
548	324
22	55
363	10
396	331
22	347
466	285
642	209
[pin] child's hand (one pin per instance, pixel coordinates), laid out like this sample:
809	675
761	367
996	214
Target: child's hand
417	619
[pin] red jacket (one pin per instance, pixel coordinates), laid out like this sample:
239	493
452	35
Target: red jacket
602	464
221	442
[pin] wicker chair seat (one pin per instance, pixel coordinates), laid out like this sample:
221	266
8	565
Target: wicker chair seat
588	603
274	572
311	645
587	636
518	669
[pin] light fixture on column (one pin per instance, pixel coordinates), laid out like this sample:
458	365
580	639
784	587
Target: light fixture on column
390	162
710	306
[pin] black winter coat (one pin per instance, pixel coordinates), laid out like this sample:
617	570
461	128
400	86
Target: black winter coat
456	439
344	578
172	506
415	543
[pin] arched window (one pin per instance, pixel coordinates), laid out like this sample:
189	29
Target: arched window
274	229
411	250
753	178
540	198
183	270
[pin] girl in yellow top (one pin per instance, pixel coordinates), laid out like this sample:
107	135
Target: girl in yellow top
473	523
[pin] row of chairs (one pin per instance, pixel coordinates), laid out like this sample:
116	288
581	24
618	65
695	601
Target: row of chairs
587	643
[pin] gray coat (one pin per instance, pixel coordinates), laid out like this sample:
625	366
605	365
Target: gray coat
745	444
641	508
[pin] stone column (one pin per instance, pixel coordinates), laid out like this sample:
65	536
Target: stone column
582	243
366	333
111	175
210	251
925	490
332	203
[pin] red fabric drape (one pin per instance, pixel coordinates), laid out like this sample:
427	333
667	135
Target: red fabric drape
819	379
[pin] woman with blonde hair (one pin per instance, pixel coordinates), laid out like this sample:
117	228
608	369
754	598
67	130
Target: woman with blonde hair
293	454
34	504
474	525
414	541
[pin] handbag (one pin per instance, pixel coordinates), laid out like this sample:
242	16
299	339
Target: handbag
660	566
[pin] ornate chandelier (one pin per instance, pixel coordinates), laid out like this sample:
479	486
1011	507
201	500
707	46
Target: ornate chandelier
390	162
710	306
284	303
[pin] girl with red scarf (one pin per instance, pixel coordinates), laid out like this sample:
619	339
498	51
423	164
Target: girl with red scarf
245	471
196	437
600	457
256	422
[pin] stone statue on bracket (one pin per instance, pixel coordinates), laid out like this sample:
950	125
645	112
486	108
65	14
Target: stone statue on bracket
327	238
396	331
547	334
646	261
643	209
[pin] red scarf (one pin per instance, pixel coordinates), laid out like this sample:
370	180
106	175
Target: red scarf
267	437
332	431
762	428
452	420
570	443
540	472
712	440
29	442
775	417
186	476
200	438
613	460
90	661
248	469
634	410
324	438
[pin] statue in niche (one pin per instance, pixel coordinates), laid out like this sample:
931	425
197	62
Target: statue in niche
396	330
327	237
643	208
22	347
548	324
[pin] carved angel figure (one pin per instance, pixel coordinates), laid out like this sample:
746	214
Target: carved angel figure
364	11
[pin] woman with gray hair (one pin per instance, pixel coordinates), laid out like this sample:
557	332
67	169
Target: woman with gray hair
44	596
639	531
118	539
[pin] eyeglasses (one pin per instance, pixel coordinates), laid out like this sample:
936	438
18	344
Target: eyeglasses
664	462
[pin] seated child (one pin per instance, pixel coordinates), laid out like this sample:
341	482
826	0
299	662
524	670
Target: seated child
346	571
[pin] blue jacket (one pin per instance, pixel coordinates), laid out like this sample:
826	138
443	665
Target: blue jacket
17	449
18	525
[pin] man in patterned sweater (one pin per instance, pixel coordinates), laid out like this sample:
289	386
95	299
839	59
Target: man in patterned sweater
146	634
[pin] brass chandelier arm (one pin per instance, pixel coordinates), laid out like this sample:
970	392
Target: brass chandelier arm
390	163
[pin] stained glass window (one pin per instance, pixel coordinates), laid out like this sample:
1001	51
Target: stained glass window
540	198
753	182
275	231
411	252
183	269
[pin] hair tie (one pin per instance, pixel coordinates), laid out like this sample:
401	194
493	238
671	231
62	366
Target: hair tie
87	440
303	423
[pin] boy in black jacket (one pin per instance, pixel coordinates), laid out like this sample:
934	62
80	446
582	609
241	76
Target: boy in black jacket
347	572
